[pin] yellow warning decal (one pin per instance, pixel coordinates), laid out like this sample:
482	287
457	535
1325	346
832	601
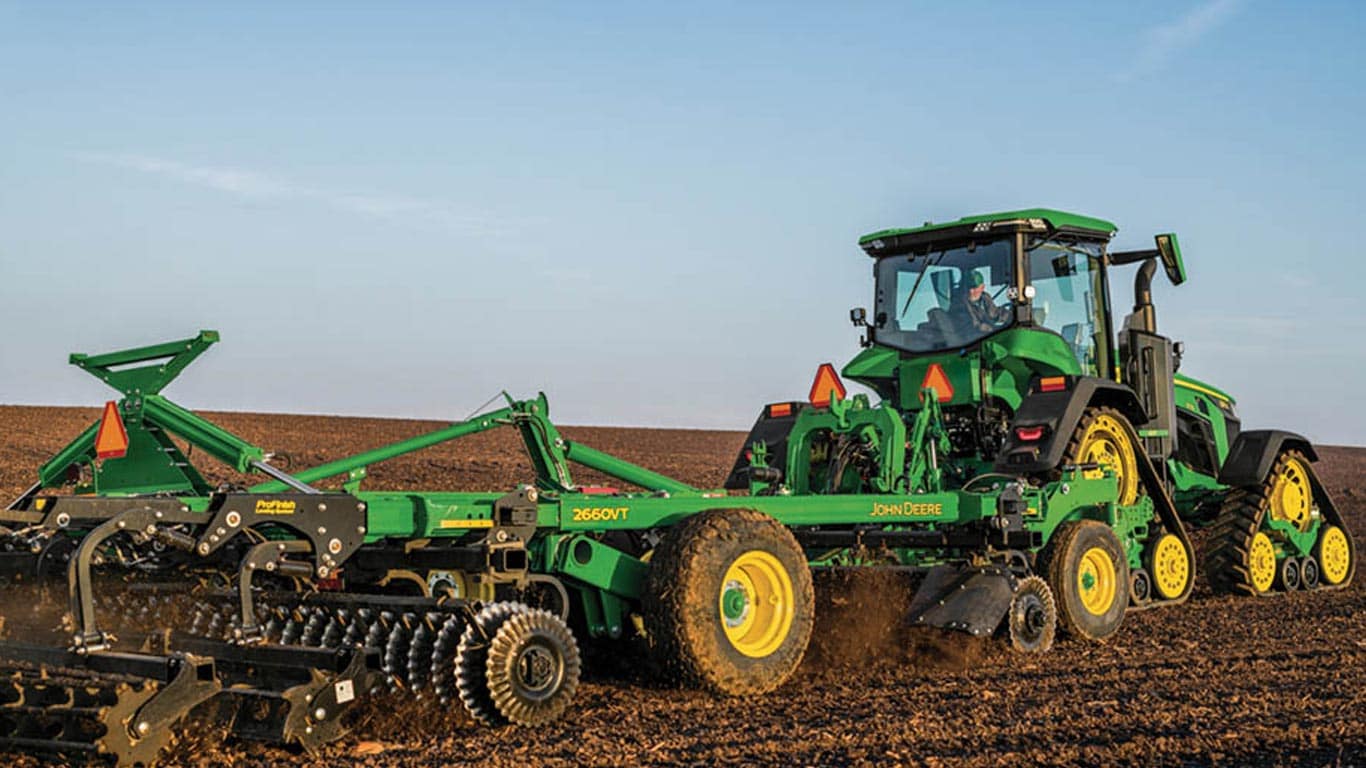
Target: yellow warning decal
275	507
465	524
907	509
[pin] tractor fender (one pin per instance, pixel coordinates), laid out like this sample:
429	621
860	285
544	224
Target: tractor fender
772	428
1254	452
1058	412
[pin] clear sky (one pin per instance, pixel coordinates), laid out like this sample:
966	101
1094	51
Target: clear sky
650	210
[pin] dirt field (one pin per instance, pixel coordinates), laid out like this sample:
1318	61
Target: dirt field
1219	681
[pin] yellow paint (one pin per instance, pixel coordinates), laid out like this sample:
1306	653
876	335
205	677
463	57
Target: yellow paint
1170	567
599	514
770	603
1203	390
1291	496
1335	555
465	524
1106	443
1261	562
275	507
1097	581
906	509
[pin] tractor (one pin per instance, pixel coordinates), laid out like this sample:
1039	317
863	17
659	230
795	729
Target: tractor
1009	318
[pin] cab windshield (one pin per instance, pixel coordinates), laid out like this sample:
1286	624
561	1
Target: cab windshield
944	299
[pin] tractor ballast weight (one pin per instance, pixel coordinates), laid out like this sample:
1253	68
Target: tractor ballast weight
1034	474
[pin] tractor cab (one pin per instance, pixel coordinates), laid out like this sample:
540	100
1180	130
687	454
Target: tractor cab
948	295
987	305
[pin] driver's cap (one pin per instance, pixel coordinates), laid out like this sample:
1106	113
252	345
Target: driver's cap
973	278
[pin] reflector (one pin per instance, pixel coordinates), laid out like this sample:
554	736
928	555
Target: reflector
111	441
936	379
826	386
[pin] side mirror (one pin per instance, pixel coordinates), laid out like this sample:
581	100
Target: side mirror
858	316
1169	251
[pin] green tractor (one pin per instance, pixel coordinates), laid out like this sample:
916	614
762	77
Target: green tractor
1007	317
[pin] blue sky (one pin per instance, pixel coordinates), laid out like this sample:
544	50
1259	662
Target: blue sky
650	211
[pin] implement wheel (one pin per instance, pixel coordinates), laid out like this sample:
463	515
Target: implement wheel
729	603
516	664
1033	618
1089	574
1106	438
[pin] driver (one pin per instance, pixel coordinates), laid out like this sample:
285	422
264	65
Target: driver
976	307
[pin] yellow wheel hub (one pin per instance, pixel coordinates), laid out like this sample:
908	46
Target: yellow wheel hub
1291	496
1335	555
756	603
1106	442
1097	581
1261	562
1170	567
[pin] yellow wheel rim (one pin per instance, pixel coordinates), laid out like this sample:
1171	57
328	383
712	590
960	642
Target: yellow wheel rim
1106	443
1170	567
1261	562
756	603
1097	582
1335	555
1291	496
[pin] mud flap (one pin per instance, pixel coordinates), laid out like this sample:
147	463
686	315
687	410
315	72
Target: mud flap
963	598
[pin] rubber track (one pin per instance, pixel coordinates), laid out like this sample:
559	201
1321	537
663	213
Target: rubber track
1240	517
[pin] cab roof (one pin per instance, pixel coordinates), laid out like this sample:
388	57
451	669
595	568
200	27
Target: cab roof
888	241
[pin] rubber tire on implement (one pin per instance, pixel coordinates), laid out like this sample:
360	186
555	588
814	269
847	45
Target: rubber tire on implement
1062	563
685	588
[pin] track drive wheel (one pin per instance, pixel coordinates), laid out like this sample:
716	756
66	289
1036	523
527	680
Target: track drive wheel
1242	556
1033	618
729	603
1087	569
1106	438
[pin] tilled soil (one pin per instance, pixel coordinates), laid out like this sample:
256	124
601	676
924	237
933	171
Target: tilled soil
1218	681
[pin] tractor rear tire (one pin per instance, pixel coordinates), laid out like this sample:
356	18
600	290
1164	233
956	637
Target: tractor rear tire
1088	571
729	605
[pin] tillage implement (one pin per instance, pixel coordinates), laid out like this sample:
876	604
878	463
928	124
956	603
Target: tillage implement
1035	466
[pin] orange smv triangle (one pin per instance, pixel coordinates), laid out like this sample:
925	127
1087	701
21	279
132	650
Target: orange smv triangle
826	386
111	441
936	379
